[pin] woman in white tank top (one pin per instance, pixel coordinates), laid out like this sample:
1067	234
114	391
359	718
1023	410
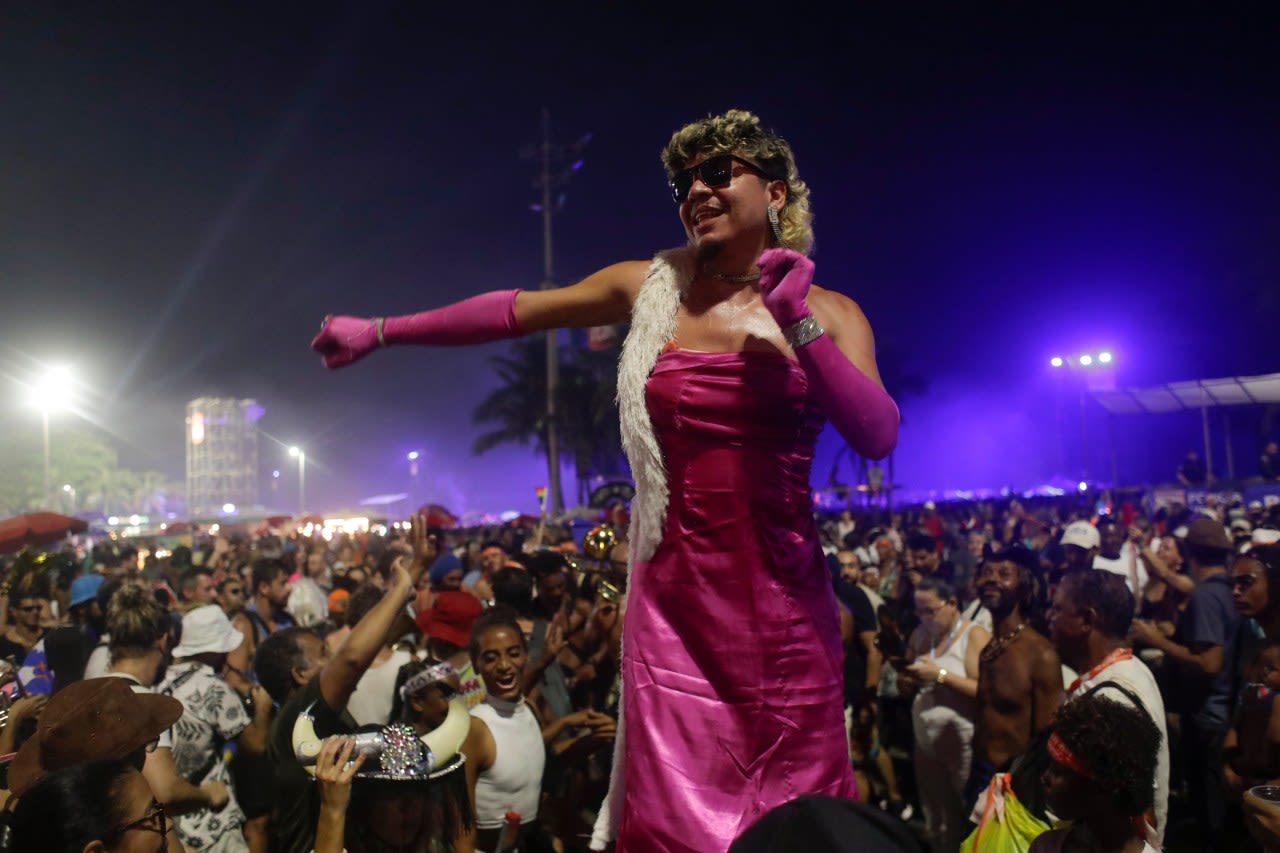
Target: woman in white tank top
944	671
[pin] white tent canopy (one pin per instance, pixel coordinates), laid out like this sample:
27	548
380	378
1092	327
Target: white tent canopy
1202	394
1197	394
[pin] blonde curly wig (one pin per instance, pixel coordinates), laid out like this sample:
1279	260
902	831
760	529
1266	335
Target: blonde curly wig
739	132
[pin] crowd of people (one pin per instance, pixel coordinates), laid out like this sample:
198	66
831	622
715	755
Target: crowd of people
1000	677
1008	669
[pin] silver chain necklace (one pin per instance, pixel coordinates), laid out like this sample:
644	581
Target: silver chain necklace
740	278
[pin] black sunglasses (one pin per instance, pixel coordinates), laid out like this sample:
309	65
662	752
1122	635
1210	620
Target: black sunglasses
715	172
153	821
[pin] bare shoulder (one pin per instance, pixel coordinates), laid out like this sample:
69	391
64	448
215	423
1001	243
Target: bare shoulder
479	745
979	636
1045	657
839	315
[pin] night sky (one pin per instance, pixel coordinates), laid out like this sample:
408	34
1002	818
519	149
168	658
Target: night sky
186	189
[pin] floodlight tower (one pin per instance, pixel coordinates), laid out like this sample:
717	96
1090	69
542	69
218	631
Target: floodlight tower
1081	365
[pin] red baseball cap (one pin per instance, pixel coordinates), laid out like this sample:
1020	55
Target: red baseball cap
452	617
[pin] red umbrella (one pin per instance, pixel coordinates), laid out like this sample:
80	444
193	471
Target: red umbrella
35	529
437	516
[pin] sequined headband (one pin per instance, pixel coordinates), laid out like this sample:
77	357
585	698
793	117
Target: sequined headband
431	675
1061	753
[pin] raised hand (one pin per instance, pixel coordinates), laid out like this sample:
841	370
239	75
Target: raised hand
785	276
344	339
335	768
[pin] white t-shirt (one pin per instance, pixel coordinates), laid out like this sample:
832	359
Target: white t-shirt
166	738
1127	565
1136	676
99	664
370	704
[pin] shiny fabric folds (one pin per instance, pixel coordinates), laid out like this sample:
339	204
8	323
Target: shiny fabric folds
732	663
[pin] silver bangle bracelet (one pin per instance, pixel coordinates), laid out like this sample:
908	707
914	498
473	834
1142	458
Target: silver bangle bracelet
377	325
803	332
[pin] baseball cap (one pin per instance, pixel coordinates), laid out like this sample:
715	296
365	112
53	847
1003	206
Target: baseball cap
1208	533
1265	536
452	617
91	720
1082	534
85	589
207	630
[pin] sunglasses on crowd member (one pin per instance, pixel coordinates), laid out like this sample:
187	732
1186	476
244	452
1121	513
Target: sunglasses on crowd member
153	821
715	172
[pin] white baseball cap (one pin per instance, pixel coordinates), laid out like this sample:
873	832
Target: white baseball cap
1082	534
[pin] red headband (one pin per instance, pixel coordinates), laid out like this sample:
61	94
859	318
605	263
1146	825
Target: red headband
1061	753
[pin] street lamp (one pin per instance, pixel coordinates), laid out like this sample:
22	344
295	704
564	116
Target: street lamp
49	394
301	456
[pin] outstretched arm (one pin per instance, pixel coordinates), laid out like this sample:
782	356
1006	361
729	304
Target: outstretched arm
833	343
600	299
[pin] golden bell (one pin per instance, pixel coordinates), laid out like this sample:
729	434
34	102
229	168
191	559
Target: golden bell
599	541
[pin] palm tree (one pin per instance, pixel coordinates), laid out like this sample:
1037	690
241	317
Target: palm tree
586	416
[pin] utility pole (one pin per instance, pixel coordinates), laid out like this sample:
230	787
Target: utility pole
556	504
550	156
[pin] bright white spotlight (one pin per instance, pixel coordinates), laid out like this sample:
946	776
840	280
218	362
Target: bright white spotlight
413	454
1084	487
1056	361
294	451
275	475
1086	360
228	509
52	389
1104	358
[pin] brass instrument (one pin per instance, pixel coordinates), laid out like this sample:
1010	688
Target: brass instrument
597	544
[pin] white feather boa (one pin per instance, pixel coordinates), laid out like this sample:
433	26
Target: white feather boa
653	324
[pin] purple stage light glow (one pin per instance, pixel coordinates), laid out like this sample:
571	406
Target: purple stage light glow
1056	361
1086	360
1104	358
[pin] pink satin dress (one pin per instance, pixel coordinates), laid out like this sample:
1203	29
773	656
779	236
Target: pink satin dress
732	662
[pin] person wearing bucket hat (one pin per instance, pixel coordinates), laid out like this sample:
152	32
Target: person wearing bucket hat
91	720
214	713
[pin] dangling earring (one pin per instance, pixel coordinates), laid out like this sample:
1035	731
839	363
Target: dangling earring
776	227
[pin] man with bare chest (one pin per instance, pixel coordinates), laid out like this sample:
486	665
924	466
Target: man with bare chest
1019	677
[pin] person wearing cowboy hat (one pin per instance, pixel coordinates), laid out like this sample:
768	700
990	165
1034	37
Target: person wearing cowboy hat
214	713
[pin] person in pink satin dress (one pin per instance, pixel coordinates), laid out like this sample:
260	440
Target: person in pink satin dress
731	663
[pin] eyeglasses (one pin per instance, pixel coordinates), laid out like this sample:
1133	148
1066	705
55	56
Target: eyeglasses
153	821
715	172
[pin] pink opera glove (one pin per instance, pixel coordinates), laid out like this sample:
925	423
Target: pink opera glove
860	410
478	320
785	276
